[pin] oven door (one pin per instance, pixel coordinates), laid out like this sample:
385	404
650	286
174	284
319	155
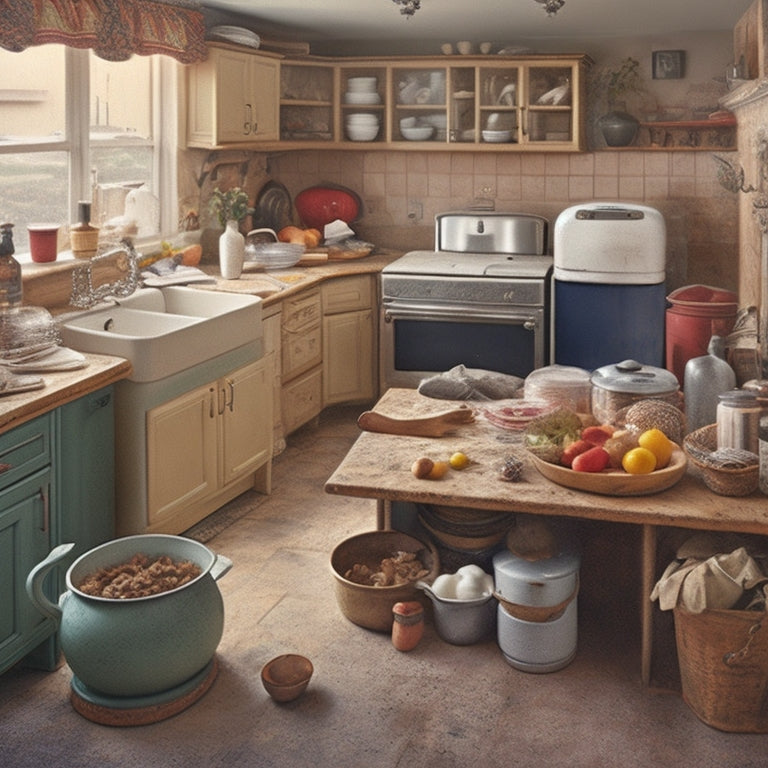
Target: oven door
420	340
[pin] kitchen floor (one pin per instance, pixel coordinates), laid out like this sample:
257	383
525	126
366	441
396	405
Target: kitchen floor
369	704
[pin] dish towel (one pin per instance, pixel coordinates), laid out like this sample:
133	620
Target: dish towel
719	581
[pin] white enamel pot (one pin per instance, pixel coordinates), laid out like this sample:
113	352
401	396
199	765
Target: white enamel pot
140	646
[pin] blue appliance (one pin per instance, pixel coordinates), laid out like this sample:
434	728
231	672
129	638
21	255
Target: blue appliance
609	297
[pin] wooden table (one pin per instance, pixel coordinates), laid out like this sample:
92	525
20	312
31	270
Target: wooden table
378	467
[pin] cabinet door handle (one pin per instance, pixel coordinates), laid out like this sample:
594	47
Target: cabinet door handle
46	508
247	125
231	403
211	405
524	118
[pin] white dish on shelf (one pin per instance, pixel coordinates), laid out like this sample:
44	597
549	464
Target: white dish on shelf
497	137
361	97
417	132
361	84
362	132
239	35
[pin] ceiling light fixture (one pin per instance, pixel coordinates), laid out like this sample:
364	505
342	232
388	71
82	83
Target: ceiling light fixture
551	6
409	7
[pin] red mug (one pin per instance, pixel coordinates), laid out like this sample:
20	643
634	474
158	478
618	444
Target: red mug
42	241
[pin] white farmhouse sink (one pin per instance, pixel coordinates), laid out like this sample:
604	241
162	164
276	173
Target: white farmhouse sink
163	331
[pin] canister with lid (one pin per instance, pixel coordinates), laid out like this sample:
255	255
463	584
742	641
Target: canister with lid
738	420
619	385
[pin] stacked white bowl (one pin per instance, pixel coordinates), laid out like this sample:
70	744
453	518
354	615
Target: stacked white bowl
362	90
361	126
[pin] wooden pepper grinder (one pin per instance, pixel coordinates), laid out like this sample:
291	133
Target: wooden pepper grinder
408	626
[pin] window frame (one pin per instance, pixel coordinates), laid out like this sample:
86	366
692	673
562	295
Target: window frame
76	142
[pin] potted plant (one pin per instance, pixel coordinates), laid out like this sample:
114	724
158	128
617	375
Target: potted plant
230	208
618	127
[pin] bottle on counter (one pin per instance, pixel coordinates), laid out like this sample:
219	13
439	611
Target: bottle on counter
11	285
83	236
705	379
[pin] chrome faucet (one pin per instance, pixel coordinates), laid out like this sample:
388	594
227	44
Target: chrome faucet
85	295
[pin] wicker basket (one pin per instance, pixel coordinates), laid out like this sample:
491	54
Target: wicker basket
723	657
725	481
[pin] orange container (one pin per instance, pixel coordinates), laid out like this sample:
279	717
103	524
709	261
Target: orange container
698	312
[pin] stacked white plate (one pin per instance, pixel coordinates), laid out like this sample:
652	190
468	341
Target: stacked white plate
362	90
361	126
239	35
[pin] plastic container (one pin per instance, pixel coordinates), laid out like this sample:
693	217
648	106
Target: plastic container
698	312
564	385
620	385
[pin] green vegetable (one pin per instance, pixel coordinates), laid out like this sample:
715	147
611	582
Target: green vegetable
546	436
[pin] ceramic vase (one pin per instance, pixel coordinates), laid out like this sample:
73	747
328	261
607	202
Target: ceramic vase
231	251
618	128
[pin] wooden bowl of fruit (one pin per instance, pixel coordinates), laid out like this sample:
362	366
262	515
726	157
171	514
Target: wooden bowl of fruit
602	459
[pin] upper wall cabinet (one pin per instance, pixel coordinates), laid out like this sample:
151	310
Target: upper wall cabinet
460	103
450	102
232	98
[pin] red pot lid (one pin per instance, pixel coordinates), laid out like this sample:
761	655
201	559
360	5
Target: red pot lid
318	206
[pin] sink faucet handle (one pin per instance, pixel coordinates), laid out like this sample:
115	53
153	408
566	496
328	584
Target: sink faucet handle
85	295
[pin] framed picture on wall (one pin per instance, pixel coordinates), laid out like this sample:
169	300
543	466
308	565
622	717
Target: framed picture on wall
668	65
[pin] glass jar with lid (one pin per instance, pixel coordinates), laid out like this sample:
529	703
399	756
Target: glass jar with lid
738	420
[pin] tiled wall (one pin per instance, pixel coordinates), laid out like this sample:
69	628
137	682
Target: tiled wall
701	217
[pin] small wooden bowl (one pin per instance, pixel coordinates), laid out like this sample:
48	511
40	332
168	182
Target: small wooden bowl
286	677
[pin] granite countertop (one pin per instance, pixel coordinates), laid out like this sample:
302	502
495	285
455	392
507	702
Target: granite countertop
378	467
101	370
61	387
280	284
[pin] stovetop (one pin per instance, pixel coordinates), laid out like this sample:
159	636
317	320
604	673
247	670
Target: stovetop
452	263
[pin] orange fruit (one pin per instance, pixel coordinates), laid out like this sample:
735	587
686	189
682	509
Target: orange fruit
658	444
438	470
638	461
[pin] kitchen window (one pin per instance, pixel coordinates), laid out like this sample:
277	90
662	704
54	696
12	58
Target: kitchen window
76	127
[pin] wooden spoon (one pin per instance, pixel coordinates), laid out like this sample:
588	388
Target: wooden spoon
426	426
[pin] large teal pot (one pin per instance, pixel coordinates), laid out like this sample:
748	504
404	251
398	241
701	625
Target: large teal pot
141	646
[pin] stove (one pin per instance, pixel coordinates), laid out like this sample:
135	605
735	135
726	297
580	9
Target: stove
480	299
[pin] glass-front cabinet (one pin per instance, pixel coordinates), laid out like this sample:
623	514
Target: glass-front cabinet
494	103
307	102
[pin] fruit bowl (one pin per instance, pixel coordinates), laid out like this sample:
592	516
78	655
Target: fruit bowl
616	482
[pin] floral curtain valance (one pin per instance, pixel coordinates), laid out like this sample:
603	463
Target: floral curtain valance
115	29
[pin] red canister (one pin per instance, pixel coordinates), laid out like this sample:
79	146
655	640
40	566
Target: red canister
697	313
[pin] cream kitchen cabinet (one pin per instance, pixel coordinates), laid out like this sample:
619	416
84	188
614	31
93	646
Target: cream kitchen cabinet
349	340
301	358
205	442
232	98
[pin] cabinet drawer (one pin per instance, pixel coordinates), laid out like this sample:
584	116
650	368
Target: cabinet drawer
301	350
24	450
300	312
302	399
347	294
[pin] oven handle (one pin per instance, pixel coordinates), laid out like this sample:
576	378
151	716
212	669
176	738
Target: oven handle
458	314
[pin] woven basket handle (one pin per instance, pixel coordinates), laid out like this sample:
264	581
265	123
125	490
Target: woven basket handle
732	657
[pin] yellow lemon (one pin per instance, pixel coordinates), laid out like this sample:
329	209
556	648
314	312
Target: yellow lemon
459	460
658	444
638	461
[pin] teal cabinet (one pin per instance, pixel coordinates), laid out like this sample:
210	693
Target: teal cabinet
57	483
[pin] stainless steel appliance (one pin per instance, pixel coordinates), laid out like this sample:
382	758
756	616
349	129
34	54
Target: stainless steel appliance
481	299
